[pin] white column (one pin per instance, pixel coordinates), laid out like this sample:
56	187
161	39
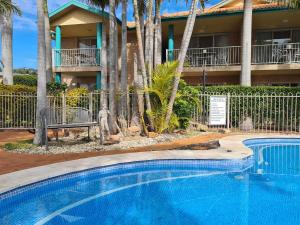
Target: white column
245	79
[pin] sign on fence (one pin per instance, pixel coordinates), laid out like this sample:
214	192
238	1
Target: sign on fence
218	108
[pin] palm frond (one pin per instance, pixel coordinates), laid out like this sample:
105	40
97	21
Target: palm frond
7	6
288	3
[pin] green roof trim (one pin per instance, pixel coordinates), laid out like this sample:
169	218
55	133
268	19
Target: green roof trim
82	6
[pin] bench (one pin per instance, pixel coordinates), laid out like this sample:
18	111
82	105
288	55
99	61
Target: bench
68	117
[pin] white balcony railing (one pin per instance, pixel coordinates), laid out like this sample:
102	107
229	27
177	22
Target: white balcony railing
276	53
76	57
228	56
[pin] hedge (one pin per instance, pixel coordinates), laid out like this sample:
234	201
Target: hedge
16	89
259	90
29	80
279	113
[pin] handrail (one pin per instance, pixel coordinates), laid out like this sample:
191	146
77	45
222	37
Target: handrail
285	53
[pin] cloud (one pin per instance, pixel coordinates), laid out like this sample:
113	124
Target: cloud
29	6
25	23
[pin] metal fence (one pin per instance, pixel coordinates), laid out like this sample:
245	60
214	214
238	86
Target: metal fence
253	112
244	112
18	111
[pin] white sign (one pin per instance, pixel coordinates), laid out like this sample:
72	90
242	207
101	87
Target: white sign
217	112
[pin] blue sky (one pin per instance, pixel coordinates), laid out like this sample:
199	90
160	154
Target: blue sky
25	28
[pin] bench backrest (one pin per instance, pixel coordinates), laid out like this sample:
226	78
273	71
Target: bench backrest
68	115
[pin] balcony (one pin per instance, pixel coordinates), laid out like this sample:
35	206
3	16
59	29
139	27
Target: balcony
231	56
72	60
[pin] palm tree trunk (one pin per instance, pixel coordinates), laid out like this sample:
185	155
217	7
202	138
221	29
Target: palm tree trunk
48	43
40	134
141	59
7	57
149	41
157	40
112	65
181	58
246	44
123	99
104	69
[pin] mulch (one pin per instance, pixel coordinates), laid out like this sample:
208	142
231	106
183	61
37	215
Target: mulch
10	162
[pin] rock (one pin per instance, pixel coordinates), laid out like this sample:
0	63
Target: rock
202	127
152	135
224	131
198	126
133	131
247	124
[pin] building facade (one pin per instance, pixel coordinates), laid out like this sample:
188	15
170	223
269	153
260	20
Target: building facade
232	44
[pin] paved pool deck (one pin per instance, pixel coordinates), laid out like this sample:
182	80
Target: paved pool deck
232	147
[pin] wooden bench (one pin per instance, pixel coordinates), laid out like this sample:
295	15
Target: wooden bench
68	117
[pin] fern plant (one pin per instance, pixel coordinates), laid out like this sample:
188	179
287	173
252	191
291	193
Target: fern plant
161	89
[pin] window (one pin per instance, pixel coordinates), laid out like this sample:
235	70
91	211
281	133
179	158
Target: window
87	43
282	34
222	40
296	36
218	40
201	42
263	38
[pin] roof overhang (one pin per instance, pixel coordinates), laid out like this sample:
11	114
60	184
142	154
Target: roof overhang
73	3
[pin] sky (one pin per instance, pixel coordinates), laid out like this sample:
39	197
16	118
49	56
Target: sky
25	27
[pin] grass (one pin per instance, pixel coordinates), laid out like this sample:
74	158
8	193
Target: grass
25	144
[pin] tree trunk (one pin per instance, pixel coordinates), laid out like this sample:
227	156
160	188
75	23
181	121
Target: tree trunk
40	134
141	59
149	41
181	58
112	66
246	44
157	40
138	85
48	43
124	90
7	57
104	92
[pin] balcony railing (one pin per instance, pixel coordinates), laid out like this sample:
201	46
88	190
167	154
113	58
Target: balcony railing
229	56
276	53
76	57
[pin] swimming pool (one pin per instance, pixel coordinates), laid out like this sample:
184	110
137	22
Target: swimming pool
250	191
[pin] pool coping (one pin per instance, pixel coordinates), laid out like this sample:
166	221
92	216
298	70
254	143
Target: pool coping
231	147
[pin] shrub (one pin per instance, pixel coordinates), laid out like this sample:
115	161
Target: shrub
28	80
16	89
188	98
54	88
73	99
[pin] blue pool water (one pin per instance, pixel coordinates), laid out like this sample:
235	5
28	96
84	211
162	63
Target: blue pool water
264	189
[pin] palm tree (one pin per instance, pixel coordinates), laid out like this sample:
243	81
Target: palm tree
149	40
48	43
124	78
7	8
113	56
246	44
182	54
141	59
40	134
157	36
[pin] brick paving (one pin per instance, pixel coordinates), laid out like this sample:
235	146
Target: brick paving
10	162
